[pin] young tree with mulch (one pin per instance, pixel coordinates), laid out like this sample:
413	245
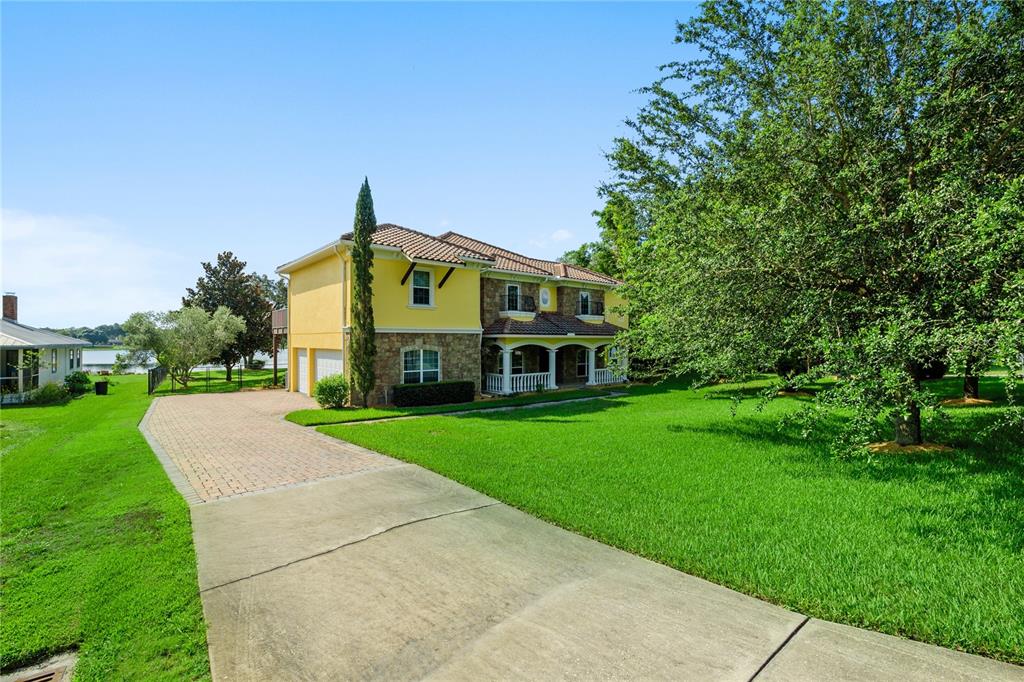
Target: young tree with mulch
362	343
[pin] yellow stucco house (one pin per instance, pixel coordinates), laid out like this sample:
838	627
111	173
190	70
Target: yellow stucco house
454	308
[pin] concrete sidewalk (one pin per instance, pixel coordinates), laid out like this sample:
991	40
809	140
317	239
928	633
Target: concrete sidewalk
400	574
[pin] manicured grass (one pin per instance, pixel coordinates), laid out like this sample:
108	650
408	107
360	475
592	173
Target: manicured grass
251	378
96	544
928	546
358	414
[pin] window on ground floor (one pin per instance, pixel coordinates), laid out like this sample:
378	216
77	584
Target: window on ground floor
53	360
421	365
517	362
581	362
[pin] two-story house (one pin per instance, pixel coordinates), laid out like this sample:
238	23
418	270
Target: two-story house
454	308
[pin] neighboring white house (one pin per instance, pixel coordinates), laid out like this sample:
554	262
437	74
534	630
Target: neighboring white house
57	355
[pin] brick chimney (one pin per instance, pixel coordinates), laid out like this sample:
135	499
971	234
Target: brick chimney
11	306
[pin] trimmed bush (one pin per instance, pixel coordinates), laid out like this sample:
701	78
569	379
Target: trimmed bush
50	394
77	383
433	393
332	391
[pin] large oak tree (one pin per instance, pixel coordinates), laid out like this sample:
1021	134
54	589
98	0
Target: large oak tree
837	182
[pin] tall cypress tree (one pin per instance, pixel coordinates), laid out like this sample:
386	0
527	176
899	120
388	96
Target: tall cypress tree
363	345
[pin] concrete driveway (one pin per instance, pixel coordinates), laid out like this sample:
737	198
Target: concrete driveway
389	571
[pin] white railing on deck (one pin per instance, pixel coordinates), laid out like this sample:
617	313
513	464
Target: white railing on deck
493	383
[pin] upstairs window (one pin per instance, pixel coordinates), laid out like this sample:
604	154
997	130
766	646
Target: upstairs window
421	365
584	303
512	296
422	288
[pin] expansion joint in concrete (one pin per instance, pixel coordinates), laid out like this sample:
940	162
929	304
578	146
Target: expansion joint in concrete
349	544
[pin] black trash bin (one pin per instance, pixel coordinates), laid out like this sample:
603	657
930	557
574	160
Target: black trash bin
101	387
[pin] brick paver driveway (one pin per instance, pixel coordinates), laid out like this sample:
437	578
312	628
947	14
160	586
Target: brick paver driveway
228	444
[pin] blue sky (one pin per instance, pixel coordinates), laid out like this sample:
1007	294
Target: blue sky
140	139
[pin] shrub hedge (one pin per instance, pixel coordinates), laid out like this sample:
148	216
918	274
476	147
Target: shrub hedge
433	393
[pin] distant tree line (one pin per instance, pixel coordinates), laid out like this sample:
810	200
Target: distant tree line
103	335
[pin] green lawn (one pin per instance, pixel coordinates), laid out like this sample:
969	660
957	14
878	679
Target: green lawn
251	378
928	546
96	544
352	414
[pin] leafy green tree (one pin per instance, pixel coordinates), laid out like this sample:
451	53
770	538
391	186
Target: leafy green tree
838	181
274	290
363	343
623	230
225	283
180	340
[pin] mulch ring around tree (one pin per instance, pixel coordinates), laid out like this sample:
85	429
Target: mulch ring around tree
891	447
966	402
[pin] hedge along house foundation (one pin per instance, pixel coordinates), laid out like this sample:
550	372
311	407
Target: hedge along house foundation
453	309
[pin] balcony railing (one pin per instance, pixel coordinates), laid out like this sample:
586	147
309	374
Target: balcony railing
589	307
518	304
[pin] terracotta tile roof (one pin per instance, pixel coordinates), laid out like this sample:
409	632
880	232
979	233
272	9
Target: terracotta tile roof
550	324
422	246
516	262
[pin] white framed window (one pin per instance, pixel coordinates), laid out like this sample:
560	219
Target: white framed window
581	362
545	297
71	358
584	303
517	362
421	365
53	360
511	297
421	288
78	357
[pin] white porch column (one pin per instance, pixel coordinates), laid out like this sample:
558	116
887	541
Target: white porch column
591	365
506	371
552	357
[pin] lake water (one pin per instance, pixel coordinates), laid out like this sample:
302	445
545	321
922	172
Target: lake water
100	359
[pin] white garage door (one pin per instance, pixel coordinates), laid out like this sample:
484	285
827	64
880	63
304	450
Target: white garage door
303	370
328	362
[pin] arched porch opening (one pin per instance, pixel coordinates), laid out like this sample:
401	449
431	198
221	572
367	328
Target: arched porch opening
520	366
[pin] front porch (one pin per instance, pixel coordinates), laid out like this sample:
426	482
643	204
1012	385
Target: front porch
524	367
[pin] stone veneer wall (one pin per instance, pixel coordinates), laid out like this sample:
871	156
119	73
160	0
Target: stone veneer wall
492	295
460	358
568	297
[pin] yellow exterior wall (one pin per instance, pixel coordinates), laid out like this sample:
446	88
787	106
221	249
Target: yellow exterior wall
314	305
613	300
456	305
552	305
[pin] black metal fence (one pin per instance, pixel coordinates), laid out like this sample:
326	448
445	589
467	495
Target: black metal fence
199	378
156	377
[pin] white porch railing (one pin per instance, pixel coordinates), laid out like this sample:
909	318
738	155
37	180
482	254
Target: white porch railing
520	383
493	383
606	375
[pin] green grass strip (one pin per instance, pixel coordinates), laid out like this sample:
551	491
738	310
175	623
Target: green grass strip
355	414
96	544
